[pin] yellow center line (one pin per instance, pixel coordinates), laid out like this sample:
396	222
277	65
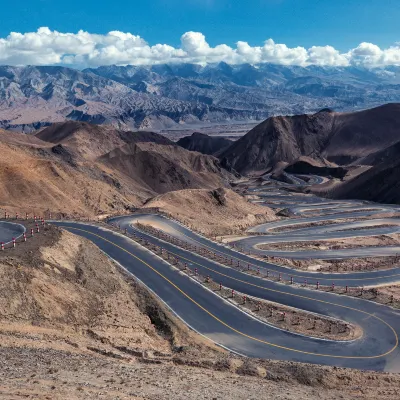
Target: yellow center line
288	273
242	333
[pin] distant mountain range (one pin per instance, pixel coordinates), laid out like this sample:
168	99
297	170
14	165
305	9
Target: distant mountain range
167	96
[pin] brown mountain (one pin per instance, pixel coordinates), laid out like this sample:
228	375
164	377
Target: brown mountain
307	165
92	141
78	168
379	183
339	137
204	143
161	168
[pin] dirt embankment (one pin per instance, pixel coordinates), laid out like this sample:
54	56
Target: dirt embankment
212	212
347	243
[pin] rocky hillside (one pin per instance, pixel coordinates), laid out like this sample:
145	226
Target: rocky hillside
306	165
162	168
339	137
167	96
92	141
379	183
212	212
204	143
90	170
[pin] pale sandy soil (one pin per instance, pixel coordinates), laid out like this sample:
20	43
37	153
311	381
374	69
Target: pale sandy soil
212	213
54	374
346	265
289	228
337	244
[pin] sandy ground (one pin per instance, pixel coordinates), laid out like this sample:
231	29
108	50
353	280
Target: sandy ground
351	264
337	244
218	212
55	374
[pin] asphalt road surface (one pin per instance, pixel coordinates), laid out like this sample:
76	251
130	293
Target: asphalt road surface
227	326
239	332
9	230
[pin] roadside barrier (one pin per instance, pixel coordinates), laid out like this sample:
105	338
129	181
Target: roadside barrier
229	261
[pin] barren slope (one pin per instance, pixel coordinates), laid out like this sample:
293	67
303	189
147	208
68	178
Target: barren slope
212	212
92	141
379	183
306	165
162	168
339	137
35	178
68	171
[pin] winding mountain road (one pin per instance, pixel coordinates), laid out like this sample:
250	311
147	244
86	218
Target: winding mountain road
237	331
10	230
230	327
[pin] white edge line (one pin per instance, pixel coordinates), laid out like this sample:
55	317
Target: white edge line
14	223
227	302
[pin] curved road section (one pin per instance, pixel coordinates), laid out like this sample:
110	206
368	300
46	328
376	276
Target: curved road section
9	230
237	331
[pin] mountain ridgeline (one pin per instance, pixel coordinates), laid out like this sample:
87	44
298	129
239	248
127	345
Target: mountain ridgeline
77	168
342	138
166	96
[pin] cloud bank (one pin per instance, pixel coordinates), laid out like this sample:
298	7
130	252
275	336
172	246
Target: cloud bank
84	49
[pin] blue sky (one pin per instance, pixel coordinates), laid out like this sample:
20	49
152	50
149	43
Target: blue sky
342	24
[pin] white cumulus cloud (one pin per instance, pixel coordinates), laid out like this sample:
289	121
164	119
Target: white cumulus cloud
83	49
